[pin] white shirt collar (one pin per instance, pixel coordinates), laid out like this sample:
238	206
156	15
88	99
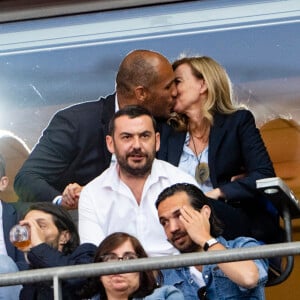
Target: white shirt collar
113	156
112	179
116	103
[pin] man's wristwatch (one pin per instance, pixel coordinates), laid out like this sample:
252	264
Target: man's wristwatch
209	243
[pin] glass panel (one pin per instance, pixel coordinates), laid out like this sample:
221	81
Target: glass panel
48	64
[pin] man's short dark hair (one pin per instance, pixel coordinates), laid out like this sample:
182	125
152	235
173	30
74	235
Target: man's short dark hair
197	200
131	111
2	166
62	220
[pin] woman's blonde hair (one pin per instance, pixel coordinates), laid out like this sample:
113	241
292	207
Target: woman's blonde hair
219	87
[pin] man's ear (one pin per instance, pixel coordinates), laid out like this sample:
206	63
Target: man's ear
141	94
157	141
206	210
3	183
64	237
110	144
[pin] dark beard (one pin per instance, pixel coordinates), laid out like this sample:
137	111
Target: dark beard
136	172
191	248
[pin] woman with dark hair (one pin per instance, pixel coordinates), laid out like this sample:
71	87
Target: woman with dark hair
54	242
138	285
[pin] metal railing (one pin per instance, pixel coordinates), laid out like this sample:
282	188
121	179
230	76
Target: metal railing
57	274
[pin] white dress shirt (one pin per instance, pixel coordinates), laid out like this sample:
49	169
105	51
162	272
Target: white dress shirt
107	205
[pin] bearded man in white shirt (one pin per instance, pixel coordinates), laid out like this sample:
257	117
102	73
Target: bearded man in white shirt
123	197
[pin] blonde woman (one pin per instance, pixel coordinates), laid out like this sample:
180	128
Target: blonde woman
218	142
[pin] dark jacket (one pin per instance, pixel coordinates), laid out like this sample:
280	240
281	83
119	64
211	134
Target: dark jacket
71	149
44	256
235	147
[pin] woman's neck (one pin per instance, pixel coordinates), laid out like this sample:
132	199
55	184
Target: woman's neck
117	296
199	128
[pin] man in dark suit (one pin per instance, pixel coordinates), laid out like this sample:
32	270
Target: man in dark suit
72	149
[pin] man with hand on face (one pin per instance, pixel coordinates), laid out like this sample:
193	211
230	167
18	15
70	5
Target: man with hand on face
191	226
54	242
72	150
122	197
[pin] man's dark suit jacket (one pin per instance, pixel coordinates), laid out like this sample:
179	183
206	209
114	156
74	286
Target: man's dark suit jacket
9	218
71	149
235	147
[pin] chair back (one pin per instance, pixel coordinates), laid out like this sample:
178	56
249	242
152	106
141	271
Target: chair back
282	139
